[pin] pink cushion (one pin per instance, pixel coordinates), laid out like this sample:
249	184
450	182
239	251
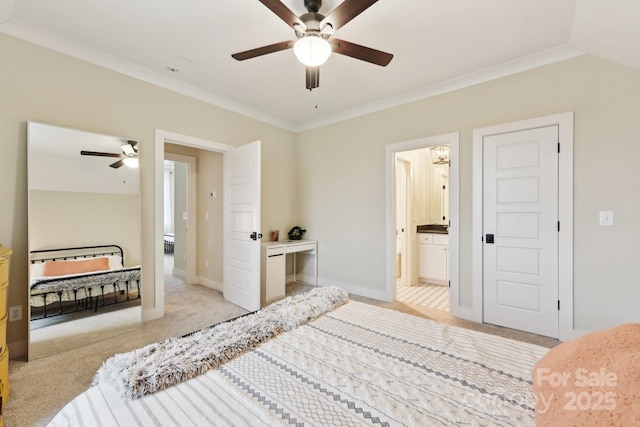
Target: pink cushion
63	268
593	380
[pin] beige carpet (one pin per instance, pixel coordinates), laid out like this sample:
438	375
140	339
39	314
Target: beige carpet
40	388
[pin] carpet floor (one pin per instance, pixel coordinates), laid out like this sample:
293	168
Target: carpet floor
40	388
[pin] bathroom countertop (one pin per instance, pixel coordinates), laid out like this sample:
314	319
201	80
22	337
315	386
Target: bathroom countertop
433	229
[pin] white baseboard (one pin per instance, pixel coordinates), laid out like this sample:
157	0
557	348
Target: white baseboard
301	278
179	273
18	349
151	314
210	283
356	290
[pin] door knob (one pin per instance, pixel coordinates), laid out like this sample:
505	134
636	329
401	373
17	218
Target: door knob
255	236
489	238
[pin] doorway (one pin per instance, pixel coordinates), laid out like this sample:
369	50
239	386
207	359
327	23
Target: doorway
156	294
180	221
449	287
422	220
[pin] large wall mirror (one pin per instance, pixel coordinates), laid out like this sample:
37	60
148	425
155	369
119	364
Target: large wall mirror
84	238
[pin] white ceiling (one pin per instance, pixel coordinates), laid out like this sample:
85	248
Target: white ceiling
438	45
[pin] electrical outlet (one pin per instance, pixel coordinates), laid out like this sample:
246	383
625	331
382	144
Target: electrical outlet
15	313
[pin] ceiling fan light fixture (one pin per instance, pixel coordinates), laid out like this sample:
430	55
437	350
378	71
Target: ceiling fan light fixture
131	162
312	50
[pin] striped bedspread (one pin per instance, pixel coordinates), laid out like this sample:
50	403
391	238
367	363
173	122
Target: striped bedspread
358	365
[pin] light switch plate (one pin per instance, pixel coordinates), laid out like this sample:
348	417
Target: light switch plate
606	217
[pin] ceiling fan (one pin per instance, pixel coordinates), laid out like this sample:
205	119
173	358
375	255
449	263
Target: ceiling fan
129	155
313	31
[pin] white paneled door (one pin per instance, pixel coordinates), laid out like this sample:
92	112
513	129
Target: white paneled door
520	210
242	226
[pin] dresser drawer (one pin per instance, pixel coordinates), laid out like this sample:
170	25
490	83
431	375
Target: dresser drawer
426	238
4	374
4	268
441	239
3	298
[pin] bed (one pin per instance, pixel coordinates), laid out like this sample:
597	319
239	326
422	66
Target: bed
67	280
356	365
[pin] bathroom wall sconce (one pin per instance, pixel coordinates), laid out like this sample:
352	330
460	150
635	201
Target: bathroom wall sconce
440	155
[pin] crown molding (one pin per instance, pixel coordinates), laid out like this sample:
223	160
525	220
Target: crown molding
536	60
54	42
51	41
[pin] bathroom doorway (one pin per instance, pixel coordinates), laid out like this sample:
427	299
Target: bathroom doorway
424	211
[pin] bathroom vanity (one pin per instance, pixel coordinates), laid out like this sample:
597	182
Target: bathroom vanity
433	255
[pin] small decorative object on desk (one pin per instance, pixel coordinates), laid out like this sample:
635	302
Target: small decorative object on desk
274	235
296	233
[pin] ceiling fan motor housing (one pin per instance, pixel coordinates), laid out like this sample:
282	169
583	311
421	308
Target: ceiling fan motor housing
313	6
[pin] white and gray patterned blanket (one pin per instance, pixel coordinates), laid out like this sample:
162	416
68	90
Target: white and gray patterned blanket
358	365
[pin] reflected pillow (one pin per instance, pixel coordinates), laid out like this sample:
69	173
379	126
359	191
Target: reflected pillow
37	269
63	268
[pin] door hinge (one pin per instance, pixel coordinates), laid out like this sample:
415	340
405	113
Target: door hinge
558	147
449	283
558	225
558	305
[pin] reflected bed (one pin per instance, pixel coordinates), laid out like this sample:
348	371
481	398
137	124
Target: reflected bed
67	280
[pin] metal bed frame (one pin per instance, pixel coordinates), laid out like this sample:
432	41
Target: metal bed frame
89	302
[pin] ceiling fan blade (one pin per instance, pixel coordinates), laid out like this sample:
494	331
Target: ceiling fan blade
345	12
361	52
259	51
312	75
99	154
117	164
283	12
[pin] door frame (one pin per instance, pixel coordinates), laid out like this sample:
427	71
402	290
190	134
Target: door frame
564	121
192	223
155	309
406	263
453	139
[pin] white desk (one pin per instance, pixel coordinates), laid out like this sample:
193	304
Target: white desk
273	270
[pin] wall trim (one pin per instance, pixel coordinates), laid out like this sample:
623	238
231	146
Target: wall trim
209	283
65	46
354	289
156	308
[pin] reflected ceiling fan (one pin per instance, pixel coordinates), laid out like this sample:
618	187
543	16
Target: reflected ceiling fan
129	155
313	31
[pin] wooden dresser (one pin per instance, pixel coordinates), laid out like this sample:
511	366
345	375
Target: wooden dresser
5	254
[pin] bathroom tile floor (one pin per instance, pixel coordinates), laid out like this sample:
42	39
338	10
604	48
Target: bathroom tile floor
425	294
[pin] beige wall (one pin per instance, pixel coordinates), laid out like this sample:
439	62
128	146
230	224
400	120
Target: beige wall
209	244
342	181
59	219
180	223
332	182
45	86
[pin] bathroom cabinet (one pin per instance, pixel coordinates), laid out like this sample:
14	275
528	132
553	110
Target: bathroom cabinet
434	258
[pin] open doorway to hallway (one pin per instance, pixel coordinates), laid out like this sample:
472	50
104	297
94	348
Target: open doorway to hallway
421	181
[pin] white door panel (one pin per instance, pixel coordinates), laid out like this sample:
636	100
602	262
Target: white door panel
242	218
521	212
